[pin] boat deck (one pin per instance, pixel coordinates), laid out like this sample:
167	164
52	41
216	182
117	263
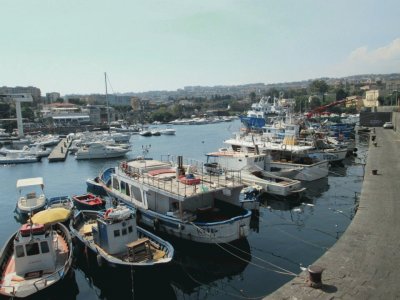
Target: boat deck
162	176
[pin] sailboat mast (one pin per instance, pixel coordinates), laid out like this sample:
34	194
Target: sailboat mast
108	109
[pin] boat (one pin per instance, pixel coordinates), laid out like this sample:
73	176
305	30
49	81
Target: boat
60	201
94	186
37	150
168	131
31	195
155	132
34	258
145	132
205	211
18	158
116	239
253	172
98	150
88	201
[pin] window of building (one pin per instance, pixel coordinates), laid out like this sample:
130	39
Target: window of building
130	229
116	233
124	232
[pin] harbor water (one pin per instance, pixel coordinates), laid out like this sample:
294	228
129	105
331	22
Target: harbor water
287	234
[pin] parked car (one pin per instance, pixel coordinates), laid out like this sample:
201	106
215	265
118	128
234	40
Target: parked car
388	125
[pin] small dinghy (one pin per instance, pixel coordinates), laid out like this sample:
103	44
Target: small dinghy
89	201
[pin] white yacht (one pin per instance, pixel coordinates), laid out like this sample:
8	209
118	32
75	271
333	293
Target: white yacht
97	150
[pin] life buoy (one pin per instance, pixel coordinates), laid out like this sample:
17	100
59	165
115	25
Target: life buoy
283	146
124	165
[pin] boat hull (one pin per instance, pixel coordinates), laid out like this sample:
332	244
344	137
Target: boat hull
301	172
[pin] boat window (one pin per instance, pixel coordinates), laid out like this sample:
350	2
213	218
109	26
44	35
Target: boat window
127	191
32	249
130	229
19	250
123	187
116	233
115	184
124	232
44	247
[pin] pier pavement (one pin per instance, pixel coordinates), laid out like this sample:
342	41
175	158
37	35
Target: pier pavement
365	262
60	151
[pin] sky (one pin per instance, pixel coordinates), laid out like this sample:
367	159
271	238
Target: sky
66	46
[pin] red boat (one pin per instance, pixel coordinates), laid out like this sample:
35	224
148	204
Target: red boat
89	201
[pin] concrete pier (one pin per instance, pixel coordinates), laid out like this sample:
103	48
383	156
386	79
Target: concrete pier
60	151
365	261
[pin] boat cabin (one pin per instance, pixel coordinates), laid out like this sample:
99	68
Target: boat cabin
114	230
34	251
31	191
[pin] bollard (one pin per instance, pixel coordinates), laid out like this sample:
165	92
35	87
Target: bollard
374	172
375	144
315	276
373	137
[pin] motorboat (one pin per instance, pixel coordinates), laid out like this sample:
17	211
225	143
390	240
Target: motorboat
98	150
202	207
155	132
37	150
145	132
117	241
34	258
168	131
18	158
31	195
89	201
60	201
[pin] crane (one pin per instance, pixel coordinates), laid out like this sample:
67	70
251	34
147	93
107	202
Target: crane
18	98
322	108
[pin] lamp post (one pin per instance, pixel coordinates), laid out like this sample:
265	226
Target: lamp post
391	98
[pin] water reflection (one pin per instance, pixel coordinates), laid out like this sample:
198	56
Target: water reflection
123	283
315	189
202	265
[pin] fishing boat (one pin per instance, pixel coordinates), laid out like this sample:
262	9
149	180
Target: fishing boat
31	195
205	211
116	239
89	201
34	258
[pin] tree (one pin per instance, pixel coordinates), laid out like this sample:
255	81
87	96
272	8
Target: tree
252	96
314	102
341	94
319	87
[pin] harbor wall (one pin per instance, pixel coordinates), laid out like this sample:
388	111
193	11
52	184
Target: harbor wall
374	119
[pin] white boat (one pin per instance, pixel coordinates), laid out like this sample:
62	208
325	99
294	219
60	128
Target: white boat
36	150
253	171
116	239
145	132
304	169
182	201
155	132
168	131
98	150
18	158
34	258
31	195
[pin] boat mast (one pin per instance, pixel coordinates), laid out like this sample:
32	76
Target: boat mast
108	109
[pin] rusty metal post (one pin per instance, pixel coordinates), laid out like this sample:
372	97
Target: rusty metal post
315	276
